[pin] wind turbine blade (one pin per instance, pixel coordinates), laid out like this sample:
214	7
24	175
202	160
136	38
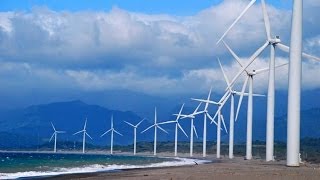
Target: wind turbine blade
195	131
60	132
310	57
221	106
266	19
238	18
52	136
53	127
235	56
241	96
305	55
147	128
140	122
204	101
129	123
224	97
162	129
112	121
259	95
85	124
283	47
117	132
252	58
182	130
267	69
224	124
105	133
199	112
155	115
180	112
196	110
212	120
78	132
88	135
167	122
224	75
208	99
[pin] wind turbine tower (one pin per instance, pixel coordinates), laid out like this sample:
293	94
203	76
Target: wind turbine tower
112	130
55	134
134	134
84	131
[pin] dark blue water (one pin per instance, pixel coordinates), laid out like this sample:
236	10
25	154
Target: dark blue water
31	164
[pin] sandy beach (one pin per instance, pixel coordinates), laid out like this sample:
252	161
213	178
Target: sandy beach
238	168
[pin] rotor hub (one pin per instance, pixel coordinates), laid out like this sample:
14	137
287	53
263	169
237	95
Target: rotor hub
275	40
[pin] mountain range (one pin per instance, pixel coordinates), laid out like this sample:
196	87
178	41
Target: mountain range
31	125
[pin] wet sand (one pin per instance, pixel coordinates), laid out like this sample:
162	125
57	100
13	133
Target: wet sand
236	169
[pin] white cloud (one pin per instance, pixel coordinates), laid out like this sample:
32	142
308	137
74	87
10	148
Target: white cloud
154	54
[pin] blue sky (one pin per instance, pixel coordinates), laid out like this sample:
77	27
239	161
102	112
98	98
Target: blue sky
175	7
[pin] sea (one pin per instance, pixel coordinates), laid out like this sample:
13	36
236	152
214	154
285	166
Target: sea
15	165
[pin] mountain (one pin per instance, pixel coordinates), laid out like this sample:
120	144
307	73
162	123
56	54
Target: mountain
31	125
34	122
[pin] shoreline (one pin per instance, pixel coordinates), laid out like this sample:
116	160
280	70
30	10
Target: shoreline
99	168
221	169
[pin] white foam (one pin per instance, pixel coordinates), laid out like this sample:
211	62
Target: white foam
99	168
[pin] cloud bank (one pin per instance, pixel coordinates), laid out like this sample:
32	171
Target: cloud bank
158	54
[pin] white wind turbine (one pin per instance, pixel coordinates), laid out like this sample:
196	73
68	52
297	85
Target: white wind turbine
232	120
84	131
134	134
156	126
55	134
205	115
192	127
220	117
273	42
250	76
112	130
176	130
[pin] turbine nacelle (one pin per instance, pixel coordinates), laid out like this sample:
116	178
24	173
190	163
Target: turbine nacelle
275	40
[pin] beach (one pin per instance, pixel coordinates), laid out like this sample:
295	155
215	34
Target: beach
238	169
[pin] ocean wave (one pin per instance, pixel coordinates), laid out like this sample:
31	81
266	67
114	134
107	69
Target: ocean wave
99	168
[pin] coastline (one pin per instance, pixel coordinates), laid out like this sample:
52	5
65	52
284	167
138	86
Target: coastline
99	168
223	169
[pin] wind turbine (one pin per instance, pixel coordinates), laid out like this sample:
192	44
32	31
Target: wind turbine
273	42
134	134
192	127
55	134
156	126
208	101
84	131
250	76
232	94
205	115
112	130
176	130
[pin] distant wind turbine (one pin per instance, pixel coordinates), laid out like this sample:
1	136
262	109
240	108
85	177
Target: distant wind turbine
156	126
55	134
84	131
112	130
192	127
176	129
208	101
205	115
135	134
232	119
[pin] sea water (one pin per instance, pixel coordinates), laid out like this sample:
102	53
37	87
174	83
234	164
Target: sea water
17	165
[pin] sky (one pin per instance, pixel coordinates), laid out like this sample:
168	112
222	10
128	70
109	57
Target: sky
54	48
